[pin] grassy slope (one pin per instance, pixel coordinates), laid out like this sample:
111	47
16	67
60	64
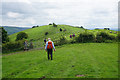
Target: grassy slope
96	60
38	34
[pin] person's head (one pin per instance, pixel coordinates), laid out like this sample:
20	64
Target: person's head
49	39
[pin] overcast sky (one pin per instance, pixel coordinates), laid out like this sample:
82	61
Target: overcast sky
86	13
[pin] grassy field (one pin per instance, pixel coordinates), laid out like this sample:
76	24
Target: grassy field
85	60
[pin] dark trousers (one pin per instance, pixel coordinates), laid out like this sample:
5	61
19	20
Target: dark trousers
49	51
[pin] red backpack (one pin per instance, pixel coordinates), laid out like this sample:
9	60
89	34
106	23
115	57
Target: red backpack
49	46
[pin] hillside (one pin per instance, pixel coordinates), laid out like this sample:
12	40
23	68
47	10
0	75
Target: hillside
12	30
37	35
83	60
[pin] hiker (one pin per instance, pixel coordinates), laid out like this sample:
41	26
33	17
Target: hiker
49	48
31	45
70	36
73	35
45	41
25	45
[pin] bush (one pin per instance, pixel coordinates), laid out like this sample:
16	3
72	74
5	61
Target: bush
54	25
61	41
50	24
106	36
118	37
85	37
60	29
13	46
99	39
46	33
5	37
21	36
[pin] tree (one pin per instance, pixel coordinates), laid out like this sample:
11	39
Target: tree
21	35
54	25
5	37
81	27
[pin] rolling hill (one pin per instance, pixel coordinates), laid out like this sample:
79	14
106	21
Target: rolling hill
79	60
37	35
12	30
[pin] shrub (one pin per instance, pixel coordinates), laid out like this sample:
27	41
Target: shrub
21	36
54	25
60	29
46	33
106	36
33	26
85	37
61	41
5	37
99	39
81	27
13	46
50	24
118	37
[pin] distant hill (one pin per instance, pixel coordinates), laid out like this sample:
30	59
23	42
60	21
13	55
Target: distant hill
12	30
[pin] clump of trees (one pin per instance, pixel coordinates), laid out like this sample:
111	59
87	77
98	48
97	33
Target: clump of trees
54	25
106	36
85	37
13	46
50	24
21	36
35	26
5	37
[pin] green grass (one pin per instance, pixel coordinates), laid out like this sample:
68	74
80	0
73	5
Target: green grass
93	60
38	34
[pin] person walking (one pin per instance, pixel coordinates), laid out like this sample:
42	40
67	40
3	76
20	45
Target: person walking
45	42
49	48
25	45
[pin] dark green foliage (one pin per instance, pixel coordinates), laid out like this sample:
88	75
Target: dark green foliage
85	37
118	37
81	27
106	36
99	39
61	41
33	26
60	29
5	37
46	33
21	35
13	46
54	25
106	28
50	24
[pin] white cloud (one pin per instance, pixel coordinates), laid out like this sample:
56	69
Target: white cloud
14	15
97	13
